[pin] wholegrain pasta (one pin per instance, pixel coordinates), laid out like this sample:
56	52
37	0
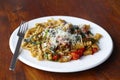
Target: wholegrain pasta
59	40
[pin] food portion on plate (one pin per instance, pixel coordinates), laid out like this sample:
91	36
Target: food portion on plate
61	41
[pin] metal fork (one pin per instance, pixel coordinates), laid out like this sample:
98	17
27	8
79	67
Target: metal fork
21	32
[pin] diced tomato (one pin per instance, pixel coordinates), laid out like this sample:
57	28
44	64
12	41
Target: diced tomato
55	57
75	55
80	51
94	50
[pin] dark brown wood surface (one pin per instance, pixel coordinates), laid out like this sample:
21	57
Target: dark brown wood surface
103	12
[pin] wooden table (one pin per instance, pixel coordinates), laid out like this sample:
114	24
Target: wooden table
103	12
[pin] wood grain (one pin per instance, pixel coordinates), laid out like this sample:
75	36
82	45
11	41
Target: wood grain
103	12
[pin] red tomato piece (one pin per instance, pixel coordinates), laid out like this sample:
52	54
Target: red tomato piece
94	50
55	57
80	51
75	55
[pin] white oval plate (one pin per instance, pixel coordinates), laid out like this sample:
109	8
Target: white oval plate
84	63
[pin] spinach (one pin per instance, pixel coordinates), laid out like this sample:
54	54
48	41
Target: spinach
28	40
46	55
83	35
46	32
89	32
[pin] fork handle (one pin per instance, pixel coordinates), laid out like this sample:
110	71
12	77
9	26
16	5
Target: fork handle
15	55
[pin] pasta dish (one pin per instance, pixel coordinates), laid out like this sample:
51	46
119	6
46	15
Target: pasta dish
61	41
